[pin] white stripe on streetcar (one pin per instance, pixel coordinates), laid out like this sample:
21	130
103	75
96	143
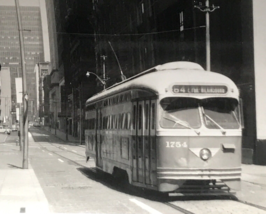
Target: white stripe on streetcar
144	206
60	160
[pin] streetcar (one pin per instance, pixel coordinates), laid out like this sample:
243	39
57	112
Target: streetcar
174	128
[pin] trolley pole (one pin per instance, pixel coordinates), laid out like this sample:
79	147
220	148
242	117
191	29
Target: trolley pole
207	10
24	133
208	45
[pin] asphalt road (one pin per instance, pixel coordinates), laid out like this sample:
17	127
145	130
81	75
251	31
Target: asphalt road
73	186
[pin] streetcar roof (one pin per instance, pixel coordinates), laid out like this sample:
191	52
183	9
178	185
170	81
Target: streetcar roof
162	78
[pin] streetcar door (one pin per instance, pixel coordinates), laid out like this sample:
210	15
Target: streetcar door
143	142
138	142
150	142
99	161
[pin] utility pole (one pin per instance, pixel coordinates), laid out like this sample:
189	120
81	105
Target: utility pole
24	91
207	10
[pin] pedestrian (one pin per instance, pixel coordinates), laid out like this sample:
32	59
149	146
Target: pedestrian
18	141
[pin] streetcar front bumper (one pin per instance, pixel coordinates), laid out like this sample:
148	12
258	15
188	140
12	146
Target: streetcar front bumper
173	179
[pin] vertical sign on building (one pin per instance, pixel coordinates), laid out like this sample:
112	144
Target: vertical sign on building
18	82
36	71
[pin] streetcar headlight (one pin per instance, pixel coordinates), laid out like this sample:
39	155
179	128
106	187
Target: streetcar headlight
205	154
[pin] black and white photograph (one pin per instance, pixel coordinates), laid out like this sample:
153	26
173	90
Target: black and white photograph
133	106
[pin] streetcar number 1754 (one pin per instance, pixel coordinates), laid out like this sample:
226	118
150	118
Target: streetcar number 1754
174	144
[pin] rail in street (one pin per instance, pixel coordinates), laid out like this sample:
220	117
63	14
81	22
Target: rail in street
78	187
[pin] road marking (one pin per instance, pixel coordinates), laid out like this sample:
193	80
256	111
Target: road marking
50	154
60	160
144	206
64	147
74	150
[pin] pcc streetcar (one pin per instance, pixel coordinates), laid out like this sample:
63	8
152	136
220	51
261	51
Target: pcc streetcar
171	128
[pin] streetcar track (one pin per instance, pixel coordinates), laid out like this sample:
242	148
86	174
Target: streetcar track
93	170
68	159
251	204
185	211
62	148
178	208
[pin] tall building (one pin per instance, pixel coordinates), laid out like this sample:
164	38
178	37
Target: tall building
34	27
146	33
5	97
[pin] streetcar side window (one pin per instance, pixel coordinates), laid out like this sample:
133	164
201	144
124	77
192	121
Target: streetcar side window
114	122
239	113
123	121
146	116
128	121
109	122
140	117
104	122
120	121
125	124
153	116
134	117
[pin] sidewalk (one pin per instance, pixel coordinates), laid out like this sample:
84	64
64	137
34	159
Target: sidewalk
20	191
253	185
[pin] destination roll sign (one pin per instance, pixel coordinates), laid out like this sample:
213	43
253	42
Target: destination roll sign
200	89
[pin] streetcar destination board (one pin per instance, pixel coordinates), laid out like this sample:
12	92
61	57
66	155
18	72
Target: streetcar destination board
200	89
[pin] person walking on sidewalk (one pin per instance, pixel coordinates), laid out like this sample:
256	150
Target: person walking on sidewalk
18	141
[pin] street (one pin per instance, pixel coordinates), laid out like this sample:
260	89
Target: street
73	186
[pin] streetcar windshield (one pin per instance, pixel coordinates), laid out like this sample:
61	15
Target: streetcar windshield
219	113
180	113
184	113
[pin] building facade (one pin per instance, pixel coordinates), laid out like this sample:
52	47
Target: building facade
131	36
7	117
34	51
155	32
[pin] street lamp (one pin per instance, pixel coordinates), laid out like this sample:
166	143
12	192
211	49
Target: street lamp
101	80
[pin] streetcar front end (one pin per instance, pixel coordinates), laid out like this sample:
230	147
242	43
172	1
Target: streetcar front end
199	139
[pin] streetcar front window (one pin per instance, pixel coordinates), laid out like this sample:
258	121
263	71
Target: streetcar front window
219	113
180	113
